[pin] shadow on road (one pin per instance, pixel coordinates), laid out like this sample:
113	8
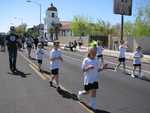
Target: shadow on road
20	73
95	111
46	72
145	78
68	95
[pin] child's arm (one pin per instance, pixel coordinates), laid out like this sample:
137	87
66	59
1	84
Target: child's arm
142	55
60	58
87	67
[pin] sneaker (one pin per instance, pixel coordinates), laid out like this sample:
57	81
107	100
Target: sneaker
115	69
51	83
79	95
132	75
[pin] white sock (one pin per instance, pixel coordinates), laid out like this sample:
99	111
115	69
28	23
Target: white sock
82	92
93	102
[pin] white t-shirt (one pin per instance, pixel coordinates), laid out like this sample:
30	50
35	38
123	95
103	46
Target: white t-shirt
137	57
39	54
91	75
122	51
55	63
99	50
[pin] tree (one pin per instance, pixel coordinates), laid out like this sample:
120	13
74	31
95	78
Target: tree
142	22
128	28
34	32
101	28
51	32
21	29
83	26
80	26
54	30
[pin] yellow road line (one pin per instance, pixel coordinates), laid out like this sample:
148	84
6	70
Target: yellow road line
29	61
46	76
87	109
34	67
38	73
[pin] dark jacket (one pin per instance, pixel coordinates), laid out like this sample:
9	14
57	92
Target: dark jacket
12	41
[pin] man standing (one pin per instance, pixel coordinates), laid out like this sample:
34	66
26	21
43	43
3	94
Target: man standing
12	43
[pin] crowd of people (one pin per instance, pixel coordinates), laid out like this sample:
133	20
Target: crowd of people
72	45
92	64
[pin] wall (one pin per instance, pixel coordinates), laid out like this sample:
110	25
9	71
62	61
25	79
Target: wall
143	42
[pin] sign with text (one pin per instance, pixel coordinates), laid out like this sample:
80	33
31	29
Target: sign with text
123	7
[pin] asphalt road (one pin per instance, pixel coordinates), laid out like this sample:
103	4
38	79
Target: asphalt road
27	92
118	93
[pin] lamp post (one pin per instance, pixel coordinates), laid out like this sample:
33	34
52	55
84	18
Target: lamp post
29	1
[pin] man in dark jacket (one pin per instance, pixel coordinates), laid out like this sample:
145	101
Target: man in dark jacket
12	45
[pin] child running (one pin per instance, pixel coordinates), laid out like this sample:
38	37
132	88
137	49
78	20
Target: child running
55	62
90	70
39	55
122	51
137	61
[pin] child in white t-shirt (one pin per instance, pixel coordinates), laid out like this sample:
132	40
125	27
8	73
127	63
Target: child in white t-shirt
137	61
55	62
90	70
122	59
39	56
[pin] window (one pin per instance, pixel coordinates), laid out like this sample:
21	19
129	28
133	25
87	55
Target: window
53	15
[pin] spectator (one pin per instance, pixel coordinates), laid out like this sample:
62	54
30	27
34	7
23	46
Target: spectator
36	41
12	45
29	42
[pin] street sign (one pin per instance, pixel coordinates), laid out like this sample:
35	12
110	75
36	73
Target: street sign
123	7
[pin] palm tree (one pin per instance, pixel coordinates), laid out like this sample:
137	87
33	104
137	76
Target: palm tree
54	30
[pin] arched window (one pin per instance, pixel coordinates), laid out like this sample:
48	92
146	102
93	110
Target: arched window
53	15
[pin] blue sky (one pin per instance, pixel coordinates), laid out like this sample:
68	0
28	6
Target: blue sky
67	9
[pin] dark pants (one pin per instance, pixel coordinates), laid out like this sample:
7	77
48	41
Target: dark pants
12	52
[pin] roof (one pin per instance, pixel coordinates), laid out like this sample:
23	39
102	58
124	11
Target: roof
52	8
66	25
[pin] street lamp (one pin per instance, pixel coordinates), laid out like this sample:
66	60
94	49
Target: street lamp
29	1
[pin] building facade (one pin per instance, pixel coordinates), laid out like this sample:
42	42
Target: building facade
50	20
65	29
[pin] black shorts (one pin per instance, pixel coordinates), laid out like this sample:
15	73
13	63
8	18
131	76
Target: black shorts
137	65
99	56
55	71
29	46
39	61
91	86
122	59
